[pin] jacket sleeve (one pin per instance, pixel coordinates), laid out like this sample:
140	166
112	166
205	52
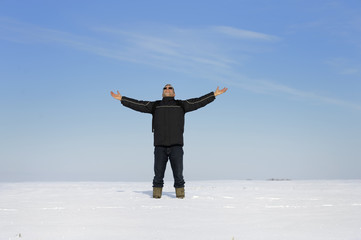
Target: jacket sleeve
140	106
195	103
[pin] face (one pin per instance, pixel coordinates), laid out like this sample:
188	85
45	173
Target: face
168	91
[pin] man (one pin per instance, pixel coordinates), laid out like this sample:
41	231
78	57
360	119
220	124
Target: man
168	127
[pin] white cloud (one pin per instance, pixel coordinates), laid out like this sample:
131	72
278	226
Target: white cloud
244	34
275	87
344	66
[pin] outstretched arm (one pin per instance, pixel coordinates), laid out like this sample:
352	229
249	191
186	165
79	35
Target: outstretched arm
219	92
140	106
116	96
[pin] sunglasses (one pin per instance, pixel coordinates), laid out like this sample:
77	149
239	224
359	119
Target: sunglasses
167	88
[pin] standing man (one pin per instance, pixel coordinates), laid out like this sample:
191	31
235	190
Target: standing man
168	127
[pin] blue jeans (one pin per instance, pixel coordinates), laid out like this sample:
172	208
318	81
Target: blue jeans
161	156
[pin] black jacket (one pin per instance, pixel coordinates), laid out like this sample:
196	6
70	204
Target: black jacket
168	116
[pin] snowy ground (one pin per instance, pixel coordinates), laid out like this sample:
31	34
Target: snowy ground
247	210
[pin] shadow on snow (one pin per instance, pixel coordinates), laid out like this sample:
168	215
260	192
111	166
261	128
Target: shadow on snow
150	193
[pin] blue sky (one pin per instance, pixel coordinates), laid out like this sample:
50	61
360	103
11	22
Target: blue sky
293	69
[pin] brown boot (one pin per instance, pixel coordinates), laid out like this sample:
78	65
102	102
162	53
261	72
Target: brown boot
179	192
157	192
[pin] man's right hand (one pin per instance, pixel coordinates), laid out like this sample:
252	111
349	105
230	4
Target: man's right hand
116	96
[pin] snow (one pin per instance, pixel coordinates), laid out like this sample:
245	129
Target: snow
247	210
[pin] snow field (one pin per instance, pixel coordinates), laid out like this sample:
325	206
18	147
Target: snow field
252	210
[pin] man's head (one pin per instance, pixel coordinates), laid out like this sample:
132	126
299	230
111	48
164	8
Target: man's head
168	91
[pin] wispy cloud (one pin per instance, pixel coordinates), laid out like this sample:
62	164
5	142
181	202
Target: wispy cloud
275	87
201	52
244	34
345	66
270	87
